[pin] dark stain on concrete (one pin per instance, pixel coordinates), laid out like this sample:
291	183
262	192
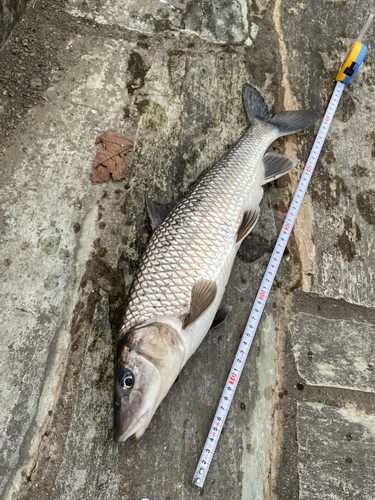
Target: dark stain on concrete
104	378
366	205
162	22
137	70
329	157
143	41
370	138
346	109
142	105
111	280
359	171
326	187
345	242
254	247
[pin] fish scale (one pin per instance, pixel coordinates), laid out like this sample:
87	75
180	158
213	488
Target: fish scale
198	238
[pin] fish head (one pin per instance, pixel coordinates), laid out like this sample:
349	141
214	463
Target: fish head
137	381
148	361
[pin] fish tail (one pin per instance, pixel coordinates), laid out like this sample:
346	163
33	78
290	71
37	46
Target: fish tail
290	122
286	122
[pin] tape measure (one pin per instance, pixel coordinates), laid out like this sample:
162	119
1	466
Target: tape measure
354	57
348	69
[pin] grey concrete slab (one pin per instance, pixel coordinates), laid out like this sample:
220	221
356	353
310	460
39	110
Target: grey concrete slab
334	353
340	240
208	20
335	453
89	466
49	219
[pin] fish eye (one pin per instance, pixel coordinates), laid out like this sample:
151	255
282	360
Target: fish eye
126	379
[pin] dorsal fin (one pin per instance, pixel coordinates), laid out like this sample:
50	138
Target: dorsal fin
202	296
276	165
221	314
254	103
157	212
249	219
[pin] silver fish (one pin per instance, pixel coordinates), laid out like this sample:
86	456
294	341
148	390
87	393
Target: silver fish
184	271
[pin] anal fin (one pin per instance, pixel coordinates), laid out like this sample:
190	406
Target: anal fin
221	314
202	295
157	212
276	165
249	219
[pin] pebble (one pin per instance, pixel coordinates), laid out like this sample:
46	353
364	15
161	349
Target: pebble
35	82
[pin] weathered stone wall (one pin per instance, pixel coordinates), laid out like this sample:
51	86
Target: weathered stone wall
10	13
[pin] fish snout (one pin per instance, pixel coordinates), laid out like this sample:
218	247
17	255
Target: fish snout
118	436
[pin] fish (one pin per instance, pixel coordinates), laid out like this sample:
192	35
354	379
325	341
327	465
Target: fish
175	298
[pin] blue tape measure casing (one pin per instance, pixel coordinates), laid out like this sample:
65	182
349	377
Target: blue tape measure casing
352	62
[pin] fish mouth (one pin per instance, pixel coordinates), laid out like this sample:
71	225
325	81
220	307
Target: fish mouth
138	428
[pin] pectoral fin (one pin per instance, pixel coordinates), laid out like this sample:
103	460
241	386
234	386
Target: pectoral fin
221	314
202	296
157	212
276	165
249	219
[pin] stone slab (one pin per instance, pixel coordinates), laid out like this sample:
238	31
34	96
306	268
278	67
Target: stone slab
49	215
188	110
335	453
89	465
343	185
208	20
181	134
183	105
334	353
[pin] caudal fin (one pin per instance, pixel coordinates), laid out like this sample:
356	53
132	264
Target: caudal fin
290	122
286	122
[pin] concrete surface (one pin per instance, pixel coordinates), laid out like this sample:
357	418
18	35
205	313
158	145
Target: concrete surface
169	75
336	452
323	358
